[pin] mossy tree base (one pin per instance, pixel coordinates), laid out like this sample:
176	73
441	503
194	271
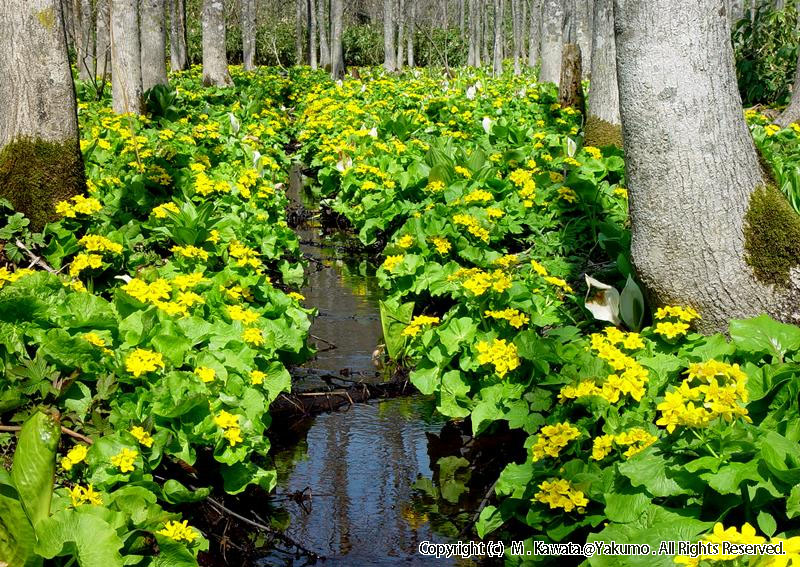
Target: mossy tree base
772	236
600	133
36	174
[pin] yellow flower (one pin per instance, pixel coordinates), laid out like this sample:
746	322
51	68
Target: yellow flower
226	420
686	314
558	282
179	531
558	493
83	495
416	324
442	245
142	361
553	438
671	330
142	436
83	261
406	241
296	296
500	354
97	243
257	377
253	336
514	317
601	447
190	251
162	210
538	268
233	435
124	460
188	281
205	374
246	316
392	261
74	456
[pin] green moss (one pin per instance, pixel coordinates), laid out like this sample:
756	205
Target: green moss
772	235
47	18
600	133
35	175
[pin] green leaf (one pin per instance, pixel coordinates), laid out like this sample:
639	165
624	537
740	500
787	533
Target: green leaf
450	483
489	520
80	532
631	305
16	532
763	334
34	466
395	317
457	331
793	503
239	476
649	469
176	493
173	347
625	508
766	523
172	554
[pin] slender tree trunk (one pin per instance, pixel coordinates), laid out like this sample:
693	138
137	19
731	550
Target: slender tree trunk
179	57
399	60
792	112
707	232
40	158
535	33
497	50
298	32
215	59
603	126
412	18
388	35
249	15
552	33
84	46
471	31
570	89
583	19
312	33
323	25
103	44
154	44
517	23
126	64
461	17
485	32
337	53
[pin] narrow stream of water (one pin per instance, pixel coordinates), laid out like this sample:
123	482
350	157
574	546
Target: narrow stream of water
347	478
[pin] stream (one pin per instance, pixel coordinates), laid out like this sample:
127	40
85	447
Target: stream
357	485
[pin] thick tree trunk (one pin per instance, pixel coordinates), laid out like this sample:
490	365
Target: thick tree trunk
583	25
249	15
323	25
103	39
40	159
706	232
472	29
552	33
154	44
570	89
603	126
83	21
178	55
298	32
792	112
337	53
486	55
412	18
215	60
400	17
497	49
311	7
534	33
388	35
126	64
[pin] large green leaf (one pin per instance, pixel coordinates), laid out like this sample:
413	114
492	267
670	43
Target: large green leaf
16	532
395	317
82	533
34	465
763	334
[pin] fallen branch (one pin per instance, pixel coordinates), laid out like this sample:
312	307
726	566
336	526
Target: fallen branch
34	258
64	430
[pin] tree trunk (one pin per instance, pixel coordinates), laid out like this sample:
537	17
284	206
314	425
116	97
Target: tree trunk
471	13
707	231
792	112
179	57
570	89
412	18
388	35
535	33
461	18
249	16
154	44
215	60
83	23
298	32
583	27
103	39
603	127
323	25
337	53
552	30
497	50
40	158
312	33
516	27
126	64
485	32
400	34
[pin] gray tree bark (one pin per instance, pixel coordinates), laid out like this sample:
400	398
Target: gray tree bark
388	35
497	50
583	26
552	34
534	33
486	55
103	38
215	59
603	126
517	23
83	19
400	17
412	18
154	44
126	64
324	25
178	55
792	112
40	159
249	15
337	53
692	171
313	60
298	32
472	10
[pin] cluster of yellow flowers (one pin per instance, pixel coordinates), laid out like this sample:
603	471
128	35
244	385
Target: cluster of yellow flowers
257	377
80	495
677	320
247	180
142	436
205	374
416	324
392	261
160	212
747	535
244	255
514	317
478	196
771	129
405	241
159	292
553	438
636	440
74	456
473	226
462	171
710	390
567	194
478	281
229	423
523	178
243	314
142	361
442	245
78	205
559	493
190	251
435	186
83	261
97	243
253	336
11	277
204	185
96	340
500	354
179	531
593	152
125	459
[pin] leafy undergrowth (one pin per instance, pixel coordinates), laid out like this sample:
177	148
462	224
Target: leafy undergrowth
493	213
